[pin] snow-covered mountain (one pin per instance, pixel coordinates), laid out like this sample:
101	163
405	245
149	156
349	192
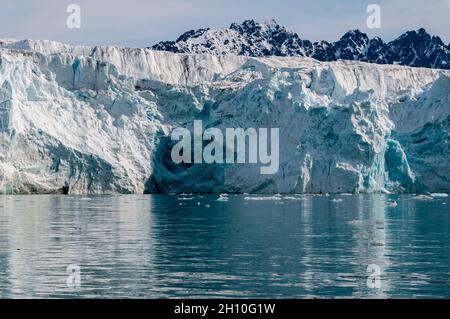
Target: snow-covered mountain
249	38
414	48
100	118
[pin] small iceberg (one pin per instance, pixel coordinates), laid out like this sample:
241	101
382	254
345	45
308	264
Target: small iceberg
223	198
276	197
293	198
434	195
391	203
423	197
185	198
337	200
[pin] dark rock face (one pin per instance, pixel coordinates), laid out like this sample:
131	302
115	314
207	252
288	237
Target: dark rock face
250	38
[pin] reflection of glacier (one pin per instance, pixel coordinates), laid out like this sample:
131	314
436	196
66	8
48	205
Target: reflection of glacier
307	247
40	238
355	241
374	251
99	119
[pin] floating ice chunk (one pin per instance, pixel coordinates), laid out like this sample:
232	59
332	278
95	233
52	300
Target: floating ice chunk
391	203
423	197
223	198
185	198
263	198
293	198
439	195
337	200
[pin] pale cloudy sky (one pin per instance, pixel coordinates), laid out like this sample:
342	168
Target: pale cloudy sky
142	23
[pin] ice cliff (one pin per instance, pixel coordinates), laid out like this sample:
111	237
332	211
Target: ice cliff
99	119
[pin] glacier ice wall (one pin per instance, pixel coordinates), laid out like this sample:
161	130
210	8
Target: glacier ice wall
99	120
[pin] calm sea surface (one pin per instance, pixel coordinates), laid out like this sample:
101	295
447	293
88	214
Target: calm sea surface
195	246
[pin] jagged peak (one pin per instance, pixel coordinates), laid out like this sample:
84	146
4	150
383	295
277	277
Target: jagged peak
269	38
421	32
249	26
192	34
354	34
271	23
376	40
246	23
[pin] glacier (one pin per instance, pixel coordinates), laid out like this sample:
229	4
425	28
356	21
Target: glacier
99	120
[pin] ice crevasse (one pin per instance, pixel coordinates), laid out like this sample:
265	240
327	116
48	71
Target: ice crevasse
98	119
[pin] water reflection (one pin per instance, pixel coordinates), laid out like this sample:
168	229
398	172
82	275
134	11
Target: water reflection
166	246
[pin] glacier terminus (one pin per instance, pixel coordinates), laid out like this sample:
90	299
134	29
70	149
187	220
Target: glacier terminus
99	120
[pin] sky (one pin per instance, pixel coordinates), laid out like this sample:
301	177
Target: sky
141	23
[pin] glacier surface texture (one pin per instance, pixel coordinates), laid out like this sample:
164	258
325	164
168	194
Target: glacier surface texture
98	119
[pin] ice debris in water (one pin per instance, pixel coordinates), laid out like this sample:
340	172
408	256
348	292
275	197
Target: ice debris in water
423	197
439	195
391	203
223	198
274	198
294	198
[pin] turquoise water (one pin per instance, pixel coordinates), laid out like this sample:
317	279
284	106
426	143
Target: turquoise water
168	246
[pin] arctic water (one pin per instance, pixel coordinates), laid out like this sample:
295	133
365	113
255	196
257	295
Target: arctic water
241	246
